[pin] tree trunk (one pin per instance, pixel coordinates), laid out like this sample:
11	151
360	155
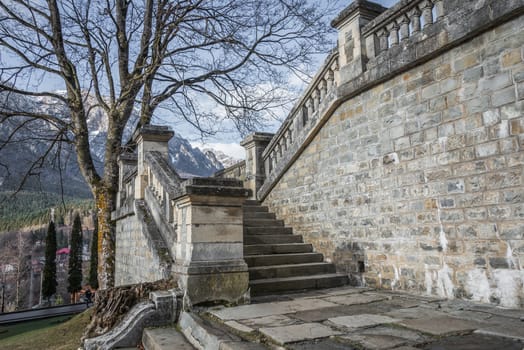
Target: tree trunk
105	204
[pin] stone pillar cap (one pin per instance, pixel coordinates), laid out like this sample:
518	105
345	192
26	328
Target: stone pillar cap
257	136
369	7
127	157
153	133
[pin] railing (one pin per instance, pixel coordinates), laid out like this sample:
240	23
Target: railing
163	182
399	23
320	92
235	171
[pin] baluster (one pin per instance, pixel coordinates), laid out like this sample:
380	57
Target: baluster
403	22
330	76
323	89
316	99
414	14
290	136
439	6
383	40
393	33
427	15
310	110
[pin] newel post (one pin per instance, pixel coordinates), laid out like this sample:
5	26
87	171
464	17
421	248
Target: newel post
351	42
209	253
149	138
255	144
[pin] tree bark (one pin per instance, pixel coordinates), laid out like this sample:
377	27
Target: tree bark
105	203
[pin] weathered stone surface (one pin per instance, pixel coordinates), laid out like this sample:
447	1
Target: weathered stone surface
165	338
294	333
441	325
355	299
267	321
474	342
239	327
363	320
278	308
383	337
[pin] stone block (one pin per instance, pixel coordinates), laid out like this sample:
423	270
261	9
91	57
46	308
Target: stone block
487	149
503	97
295	333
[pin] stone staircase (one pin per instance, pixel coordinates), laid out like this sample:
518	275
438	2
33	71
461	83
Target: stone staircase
280	261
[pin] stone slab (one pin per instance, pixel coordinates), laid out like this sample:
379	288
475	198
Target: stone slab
267	309
321	344
415	313
347	310
270	321
296	333
441	325
384	337
503	327
239	327
353	299
474	342
363	320
239	345
345	291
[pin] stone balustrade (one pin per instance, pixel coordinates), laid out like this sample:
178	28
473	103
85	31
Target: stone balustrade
402	22
235	171
304	115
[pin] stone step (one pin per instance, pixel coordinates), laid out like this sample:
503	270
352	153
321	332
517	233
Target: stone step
251	202
259	215
268	230
277	285
252	222
270	238
283	259
210	335
254	209
282	248
164	339
283	271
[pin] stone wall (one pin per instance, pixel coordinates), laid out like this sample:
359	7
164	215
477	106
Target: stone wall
140	256
417	183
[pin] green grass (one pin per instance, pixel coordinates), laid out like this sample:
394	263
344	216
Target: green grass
57	333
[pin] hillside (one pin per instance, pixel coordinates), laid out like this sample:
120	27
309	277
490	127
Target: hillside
27	208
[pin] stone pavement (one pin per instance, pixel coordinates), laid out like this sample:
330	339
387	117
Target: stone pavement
358	318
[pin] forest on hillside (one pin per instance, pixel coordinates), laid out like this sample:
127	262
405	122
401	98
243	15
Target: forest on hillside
26	209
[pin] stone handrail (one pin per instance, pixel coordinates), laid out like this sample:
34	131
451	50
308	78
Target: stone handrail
235	171
163	182
305	114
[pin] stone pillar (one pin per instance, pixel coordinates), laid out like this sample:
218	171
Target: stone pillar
209	259
149	138
126	162
351	43
254	145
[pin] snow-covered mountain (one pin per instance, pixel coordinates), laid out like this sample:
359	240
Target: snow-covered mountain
17	157
219	158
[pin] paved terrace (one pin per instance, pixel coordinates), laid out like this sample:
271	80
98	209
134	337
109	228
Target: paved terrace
357	318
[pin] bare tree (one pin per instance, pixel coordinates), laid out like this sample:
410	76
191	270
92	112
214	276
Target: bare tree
140	56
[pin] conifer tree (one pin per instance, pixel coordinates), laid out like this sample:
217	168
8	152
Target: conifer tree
49	277
74	278
93	263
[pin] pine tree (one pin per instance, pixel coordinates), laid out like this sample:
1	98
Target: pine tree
49	278
74	278
93	263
